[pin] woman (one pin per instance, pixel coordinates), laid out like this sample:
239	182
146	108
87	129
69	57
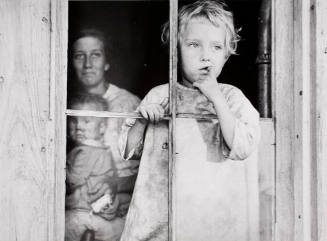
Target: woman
90	62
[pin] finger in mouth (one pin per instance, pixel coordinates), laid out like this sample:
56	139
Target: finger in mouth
206	69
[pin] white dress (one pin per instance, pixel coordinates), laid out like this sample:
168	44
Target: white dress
215	190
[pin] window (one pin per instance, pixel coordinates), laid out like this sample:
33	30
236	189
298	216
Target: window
142	63
33	81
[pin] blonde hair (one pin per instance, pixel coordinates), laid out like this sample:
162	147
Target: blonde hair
216	11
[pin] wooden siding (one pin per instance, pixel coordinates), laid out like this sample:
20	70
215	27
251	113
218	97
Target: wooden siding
59	47
25	161
266	168
301	139
33	43
32	140
319	117
282	56
299	74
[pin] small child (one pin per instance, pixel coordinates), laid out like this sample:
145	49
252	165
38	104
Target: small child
213	195
88	164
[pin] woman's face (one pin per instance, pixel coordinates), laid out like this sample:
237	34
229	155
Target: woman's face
89	61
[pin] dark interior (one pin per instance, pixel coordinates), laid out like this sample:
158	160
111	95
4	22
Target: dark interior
139	61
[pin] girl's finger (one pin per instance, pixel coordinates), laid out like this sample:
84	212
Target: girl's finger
150	114
211	73
196	84
144	112
164	103
161	112
156	114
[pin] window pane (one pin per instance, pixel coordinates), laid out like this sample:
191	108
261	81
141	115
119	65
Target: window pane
120	46
138	60
211	189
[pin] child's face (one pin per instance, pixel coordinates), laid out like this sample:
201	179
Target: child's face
83	128
89	61
203	51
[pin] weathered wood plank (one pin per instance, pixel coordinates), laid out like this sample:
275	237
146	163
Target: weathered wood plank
319	8
302	120
24	103
282	56
266	168
60	46
173	29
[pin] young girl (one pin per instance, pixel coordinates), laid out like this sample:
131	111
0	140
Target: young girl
89	164
214	197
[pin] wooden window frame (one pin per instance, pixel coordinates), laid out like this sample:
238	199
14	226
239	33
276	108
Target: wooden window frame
300	195
171	117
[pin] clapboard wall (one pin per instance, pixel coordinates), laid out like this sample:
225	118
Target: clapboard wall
32	80
300	96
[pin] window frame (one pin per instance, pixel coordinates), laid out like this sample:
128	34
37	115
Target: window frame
60	8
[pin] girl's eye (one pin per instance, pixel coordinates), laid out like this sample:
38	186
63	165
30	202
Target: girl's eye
193	44
218	47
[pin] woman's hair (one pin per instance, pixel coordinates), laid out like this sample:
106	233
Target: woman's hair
84	99
95	33
216	11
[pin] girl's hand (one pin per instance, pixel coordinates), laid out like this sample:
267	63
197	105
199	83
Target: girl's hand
208	85
154	112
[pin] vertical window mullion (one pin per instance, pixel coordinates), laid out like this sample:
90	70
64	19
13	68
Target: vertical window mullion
173	26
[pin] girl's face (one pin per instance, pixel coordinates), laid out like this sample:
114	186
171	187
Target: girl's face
83	128
202	50
89	61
